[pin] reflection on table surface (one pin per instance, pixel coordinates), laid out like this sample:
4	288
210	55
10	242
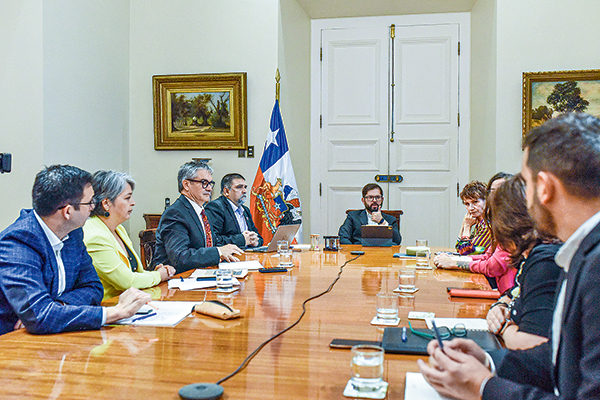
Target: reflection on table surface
128	362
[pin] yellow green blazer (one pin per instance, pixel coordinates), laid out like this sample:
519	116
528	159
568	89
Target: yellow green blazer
111	261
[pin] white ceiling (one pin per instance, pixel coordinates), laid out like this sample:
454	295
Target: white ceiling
364	8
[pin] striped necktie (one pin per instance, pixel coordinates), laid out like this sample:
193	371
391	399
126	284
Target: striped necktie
207	231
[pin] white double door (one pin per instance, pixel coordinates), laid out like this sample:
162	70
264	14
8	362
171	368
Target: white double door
390	107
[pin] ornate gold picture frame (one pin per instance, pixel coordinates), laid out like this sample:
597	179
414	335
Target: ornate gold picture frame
203	111
546	94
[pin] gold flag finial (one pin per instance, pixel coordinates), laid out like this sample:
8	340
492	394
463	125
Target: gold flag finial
277	78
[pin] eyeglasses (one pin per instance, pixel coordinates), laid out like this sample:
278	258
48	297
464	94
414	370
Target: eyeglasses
375	198
90	203
204	182
459	330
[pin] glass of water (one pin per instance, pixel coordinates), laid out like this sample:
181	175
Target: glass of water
367	368
286	258
224	279
407	280
387	307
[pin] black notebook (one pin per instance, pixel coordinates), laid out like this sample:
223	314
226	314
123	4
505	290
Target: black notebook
392	341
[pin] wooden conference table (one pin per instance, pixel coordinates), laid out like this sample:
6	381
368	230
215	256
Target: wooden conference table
129	362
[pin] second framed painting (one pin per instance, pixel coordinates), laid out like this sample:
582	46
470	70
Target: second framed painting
203	111
547	94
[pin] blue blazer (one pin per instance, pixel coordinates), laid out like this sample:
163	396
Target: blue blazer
224	223
29	281
180	239
349	232
530	374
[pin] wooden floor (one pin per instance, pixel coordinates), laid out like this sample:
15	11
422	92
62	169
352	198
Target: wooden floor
126	362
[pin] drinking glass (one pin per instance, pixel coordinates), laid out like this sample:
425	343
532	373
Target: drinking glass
285	258
224	279
367	368
407	280
387	307
422	257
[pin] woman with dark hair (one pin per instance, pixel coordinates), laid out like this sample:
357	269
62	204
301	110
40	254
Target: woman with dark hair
475	236
524	314
119	267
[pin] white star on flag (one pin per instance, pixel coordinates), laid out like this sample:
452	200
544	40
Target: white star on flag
271	138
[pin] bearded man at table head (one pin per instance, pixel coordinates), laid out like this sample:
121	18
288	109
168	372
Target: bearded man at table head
372	199
184	237
47	281
561	168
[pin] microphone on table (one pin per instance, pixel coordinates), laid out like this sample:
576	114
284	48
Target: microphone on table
201	391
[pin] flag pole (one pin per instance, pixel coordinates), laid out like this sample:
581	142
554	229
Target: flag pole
277	78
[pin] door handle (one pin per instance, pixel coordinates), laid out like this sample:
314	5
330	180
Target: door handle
389	178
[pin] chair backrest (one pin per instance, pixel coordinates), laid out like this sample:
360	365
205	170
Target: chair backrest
152	220
393	213
147	244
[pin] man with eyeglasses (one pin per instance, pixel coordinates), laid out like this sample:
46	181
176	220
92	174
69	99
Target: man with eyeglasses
372	199
48	283
184	238
229	218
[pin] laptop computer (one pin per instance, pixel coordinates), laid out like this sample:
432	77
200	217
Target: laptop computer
377	235
283	232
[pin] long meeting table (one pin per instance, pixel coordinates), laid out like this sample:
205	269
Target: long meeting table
135	362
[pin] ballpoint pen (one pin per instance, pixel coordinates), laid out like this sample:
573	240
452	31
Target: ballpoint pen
404	338
144	317
437	335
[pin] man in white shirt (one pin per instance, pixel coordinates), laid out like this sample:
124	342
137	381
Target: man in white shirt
230	220
561	168
184	238
47	281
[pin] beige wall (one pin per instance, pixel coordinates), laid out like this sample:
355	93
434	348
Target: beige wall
198	37
483	90
294	67
21	103
521	37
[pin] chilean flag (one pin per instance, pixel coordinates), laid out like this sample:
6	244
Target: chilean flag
274	198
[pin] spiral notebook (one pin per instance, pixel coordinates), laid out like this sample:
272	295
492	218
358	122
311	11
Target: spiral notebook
392	340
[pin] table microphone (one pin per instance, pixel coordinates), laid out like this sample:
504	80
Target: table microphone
201	391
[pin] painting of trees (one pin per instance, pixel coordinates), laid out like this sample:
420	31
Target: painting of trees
548	94
200	112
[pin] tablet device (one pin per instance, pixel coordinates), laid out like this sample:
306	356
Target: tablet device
377	235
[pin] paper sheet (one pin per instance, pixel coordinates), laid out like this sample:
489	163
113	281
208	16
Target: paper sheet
252	265
417	388
169	313
193	284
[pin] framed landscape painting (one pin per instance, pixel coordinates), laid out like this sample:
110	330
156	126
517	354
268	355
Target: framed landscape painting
547	94
203	111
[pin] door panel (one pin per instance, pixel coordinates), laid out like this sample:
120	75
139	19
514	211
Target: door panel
425	149
354	115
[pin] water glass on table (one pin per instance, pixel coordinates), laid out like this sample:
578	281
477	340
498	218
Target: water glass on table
422	258
387	307
407	280
367	368
224	279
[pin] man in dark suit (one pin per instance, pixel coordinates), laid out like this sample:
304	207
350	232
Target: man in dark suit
184	238
372	198
561	168
47	281
229	218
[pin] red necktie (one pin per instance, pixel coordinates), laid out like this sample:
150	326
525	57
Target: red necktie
207	230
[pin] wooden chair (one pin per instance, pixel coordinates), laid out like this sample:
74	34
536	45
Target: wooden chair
147	244
393	213
152	220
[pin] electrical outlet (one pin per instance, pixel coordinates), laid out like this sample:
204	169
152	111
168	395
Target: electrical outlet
250	151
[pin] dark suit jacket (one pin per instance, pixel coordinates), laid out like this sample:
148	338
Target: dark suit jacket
224	223
529	374
29	281
180	239
349	232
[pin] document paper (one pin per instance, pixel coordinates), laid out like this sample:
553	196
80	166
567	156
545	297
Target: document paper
169	313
